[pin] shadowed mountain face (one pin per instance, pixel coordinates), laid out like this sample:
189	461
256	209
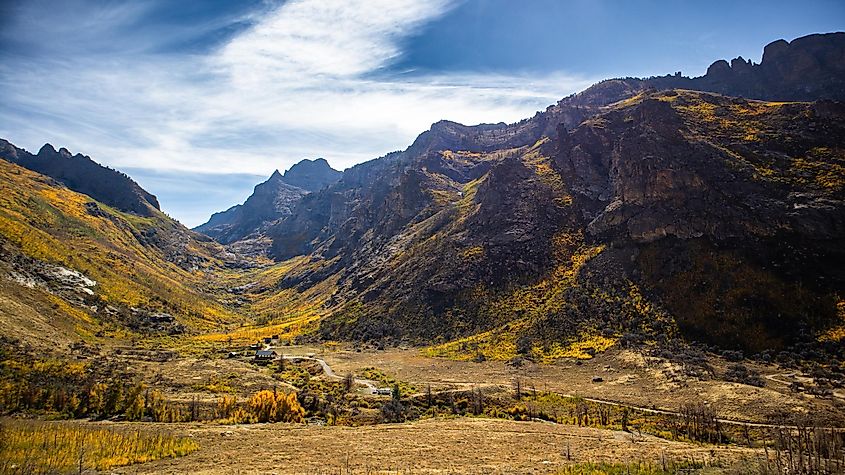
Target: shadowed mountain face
602	214
269	202
81	174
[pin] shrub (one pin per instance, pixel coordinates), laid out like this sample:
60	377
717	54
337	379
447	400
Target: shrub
393	411
226	407
739	373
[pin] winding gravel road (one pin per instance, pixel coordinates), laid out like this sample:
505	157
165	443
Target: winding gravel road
370	385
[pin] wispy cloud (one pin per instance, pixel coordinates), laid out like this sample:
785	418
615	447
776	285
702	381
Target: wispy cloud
308	78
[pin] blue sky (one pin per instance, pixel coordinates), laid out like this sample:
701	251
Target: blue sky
199	101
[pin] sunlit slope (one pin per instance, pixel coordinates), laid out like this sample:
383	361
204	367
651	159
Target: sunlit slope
142	266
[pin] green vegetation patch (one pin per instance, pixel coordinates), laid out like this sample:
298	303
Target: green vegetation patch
385	380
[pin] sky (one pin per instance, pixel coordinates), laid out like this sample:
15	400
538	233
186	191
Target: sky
199	101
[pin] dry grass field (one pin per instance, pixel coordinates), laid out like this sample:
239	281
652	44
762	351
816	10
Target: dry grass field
435	446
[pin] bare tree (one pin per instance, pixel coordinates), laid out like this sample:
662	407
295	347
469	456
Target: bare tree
81	457
348	382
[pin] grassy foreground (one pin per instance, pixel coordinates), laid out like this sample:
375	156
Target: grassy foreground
35	447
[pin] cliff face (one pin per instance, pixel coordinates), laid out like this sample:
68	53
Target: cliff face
689	165
805	69
731	211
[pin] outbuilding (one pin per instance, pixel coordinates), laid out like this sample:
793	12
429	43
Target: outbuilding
265	356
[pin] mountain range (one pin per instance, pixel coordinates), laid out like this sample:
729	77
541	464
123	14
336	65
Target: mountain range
637	211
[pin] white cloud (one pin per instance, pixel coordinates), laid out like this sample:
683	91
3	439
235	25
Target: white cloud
307	79
311	41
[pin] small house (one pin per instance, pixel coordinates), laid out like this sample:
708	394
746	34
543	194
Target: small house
265	356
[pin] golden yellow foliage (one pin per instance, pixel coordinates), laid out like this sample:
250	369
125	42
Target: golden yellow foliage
517	308
471	253
581	349
226	407
498	344
837	333
51	447
270	406
542	166
285	330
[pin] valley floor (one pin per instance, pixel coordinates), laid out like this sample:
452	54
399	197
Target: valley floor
628	377
459	445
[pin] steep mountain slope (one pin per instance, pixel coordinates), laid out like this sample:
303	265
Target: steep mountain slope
270	201
537	236
737	204
520	236
74	268
80	173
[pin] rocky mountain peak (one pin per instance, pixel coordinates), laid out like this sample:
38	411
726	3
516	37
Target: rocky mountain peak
310	175
808	68
719	68
47	150
270	201
775	50
825	48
